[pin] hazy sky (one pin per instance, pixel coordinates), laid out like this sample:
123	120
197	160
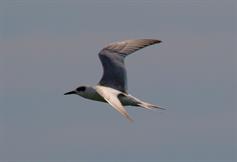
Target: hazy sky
49	47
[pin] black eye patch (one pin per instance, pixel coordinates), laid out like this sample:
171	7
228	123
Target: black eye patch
81	88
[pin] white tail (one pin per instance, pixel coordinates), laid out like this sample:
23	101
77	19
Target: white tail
149	106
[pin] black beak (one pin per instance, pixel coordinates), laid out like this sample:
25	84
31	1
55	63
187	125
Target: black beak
71	92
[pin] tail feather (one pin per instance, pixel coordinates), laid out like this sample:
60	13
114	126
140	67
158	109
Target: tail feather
149	106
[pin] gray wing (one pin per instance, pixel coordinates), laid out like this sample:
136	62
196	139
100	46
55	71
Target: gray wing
112	59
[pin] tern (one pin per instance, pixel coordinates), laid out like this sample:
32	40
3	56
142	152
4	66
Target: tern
112	88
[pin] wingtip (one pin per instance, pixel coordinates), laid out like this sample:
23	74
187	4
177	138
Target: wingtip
154	41
128	117
158	41
161	108
130	120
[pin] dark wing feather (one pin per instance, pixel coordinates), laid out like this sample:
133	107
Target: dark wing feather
112	59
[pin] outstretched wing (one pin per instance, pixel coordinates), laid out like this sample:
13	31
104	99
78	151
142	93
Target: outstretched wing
112	59
111	96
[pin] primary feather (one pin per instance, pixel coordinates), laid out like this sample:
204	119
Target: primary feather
112	59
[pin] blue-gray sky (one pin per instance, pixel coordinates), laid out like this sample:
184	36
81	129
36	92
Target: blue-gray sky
50	47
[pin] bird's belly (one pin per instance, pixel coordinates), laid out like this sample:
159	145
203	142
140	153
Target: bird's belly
97	97
128	100
93	96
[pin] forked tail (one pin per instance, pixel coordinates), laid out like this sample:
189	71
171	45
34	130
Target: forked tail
149	106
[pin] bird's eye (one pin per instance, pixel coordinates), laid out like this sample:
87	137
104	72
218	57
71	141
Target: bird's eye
81	88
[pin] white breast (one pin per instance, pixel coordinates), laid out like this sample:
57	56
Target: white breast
90	93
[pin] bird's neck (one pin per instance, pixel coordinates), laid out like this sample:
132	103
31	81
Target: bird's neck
90	93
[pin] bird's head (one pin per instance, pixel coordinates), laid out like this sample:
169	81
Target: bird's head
79	91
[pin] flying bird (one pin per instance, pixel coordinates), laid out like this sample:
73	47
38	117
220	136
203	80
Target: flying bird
112	88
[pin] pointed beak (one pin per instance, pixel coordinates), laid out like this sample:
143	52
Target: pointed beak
71	92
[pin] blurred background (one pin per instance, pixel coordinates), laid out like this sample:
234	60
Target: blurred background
49	47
